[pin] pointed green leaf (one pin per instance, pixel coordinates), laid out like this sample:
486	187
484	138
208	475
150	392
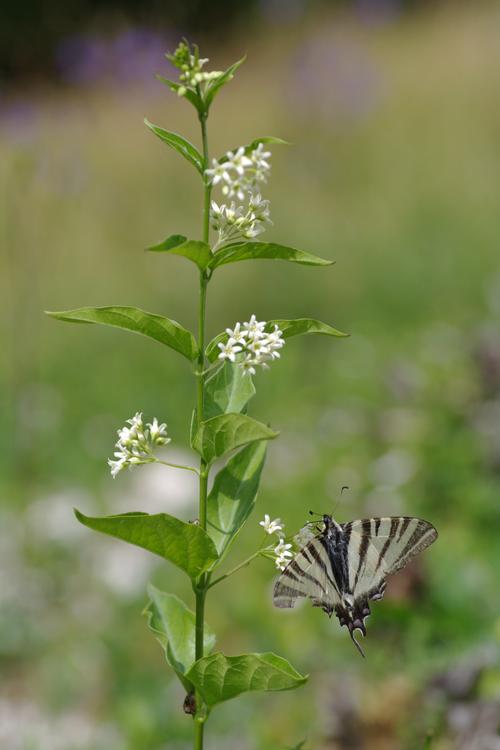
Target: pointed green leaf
219	435
220	678
173	241
179	143
196	251
303	326
239	251
290	328
233	495
270	139
164	330
174	626
190	95
214	86
227	390
185	545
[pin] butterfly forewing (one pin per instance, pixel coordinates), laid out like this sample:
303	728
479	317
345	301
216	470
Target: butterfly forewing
381	546
308	575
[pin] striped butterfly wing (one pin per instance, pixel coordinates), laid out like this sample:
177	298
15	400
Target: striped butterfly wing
308	575
377	548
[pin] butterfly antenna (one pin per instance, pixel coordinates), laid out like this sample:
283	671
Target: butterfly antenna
313	513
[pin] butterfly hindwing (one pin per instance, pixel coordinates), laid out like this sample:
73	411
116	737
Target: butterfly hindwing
308	575
377	547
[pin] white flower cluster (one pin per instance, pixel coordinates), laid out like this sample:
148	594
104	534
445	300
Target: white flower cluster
190	64
252	340
240	174
283	554
282	549
136	443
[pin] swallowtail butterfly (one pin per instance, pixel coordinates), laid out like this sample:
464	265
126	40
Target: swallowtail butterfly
345	566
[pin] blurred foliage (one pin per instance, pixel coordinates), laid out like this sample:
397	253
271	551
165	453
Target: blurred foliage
393	174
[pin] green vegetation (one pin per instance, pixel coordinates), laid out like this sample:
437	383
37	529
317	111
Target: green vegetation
399	186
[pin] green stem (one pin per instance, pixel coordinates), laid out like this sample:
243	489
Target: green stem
203	582
198	734
235	569
177	466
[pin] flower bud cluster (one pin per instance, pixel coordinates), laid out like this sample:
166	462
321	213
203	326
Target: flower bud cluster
234	222
240	174
136	443
190	64
254	345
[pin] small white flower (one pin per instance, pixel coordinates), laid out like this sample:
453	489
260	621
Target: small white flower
248	365
271	527
229	350
218	172
259	157
237	335
275	338
116	466
258	347
254	328
158	432
283	554
238	160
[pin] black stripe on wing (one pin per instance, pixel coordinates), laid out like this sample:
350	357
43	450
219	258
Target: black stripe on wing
307	576
378	547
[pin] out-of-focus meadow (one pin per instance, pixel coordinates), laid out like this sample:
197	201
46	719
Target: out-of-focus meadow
393	171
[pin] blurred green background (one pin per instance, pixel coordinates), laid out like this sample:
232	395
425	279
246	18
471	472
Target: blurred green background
393	114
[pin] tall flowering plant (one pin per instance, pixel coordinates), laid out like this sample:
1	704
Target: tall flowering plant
234	214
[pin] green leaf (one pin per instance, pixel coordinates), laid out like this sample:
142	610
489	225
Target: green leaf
233	495
214	86
271	139
219	435
227	390
164	330
290	328
190	95
180	144
174	626
196	251
303	326
239	251
220	678
173	241
185	545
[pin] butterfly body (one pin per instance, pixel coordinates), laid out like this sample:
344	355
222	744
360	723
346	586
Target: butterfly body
345	566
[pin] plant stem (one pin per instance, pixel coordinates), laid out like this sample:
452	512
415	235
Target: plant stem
235	570
202	586
177	466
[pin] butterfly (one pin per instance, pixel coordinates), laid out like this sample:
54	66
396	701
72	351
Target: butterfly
344	566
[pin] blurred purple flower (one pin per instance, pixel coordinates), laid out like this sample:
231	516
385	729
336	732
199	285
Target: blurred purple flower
379	12
334	78
130	56
283	11
19	120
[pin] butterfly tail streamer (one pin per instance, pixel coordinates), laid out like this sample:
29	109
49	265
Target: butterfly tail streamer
356	643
